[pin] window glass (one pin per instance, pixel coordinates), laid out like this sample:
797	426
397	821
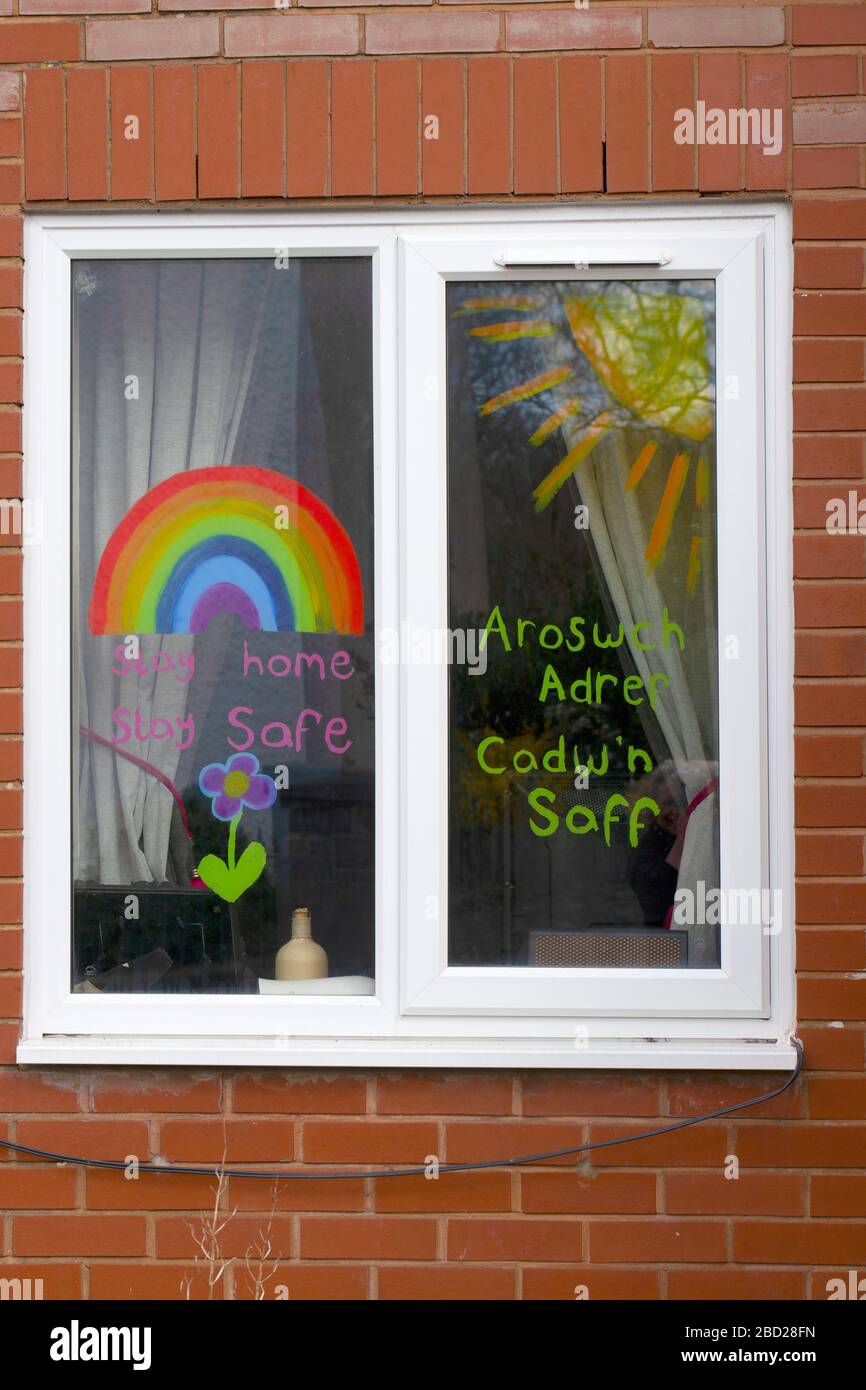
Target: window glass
223	624
583	776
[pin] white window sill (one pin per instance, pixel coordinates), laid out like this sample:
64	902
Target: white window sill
634	1054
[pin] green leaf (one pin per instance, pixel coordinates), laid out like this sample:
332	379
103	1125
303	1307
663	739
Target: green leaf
227	883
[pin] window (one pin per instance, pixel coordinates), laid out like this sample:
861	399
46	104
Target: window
419	592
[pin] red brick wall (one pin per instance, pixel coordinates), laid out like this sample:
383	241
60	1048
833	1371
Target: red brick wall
325	101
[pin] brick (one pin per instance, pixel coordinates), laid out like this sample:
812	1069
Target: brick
11	759
712	1194
828	557
721	26
397	126
291	35
468	1142
617	1284
161	1282
10	809
795	1243
431	33
174	132
62	1233
10	91
10	138
10	439
11	287
10	245
821	25
37	1189
826	359
625	128
833	854
824	1282
838	1194
833	654
823	75
827	166
44	135
828	267
368	1141
443	1093
60	1282
157	1092
535	126
464	1192
428	1283
829	122
86	1137
838	1097
539	30
263	128
9	1033
830	219
648	1242
131	160
87	132
580	124
831	803
253	1194
489	125
115	40
32	42
351	129
833	1047
218	130
313	1094
442	95
673	89
830	605
514	1239
767	90
735	1284
210	5
698	1147
113	1191
829	755
620	1194
10	394
10	996
307	129
545	1093
29	7
206	1141
368	1238
689	1096
11	903
800	1145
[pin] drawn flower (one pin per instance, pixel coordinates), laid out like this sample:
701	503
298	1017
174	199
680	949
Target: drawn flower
236	784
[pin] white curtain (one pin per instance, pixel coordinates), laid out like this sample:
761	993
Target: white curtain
619	525
170	348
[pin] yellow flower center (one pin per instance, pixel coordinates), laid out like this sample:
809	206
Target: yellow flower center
236	783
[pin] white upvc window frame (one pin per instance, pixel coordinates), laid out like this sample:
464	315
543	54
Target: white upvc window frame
424	1012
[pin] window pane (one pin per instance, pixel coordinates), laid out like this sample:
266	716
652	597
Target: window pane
223	622
582	521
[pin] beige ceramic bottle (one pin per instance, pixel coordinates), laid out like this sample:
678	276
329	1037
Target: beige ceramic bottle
301	958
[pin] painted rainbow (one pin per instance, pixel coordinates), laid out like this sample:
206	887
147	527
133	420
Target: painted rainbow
247	541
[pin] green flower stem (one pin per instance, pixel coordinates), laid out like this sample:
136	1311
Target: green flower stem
233	830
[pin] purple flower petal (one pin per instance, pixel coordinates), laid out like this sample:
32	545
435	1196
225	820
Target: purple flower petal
211	778
260	794
226	807
243	762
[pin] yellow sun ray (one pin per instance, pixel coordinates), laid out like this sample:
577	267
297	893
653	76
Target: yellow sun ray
702	483
517	303
507	332
694	563
549	487
533	387
553	422
640	465
661	528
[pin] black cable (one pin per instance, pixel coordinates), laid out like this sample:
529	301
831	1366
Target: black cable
524	1161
